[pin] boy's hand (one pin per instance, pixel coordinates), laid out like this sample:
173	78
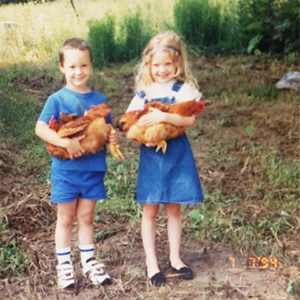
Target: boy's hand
113	137
74	147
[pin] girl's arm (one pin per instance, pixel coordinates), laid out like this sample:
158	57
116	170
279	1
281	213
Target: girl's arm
158	116
73	145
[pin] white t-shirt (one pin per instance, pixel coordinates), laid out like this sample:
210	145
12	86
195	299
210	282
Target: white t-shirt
164	90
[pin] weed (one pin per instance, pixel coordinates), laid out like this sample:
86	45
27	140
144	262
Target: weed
12	263
120	183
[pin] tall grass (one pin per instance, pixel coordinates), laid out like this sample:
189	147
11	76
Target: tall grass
112	43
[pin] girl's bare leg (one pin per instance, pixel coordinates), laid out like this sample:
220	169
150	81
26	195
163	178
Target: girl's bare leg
174	234
150	212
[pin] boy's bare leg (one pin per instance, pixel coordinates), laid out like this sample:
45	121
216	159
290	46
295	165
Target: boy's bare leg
66	213
85	218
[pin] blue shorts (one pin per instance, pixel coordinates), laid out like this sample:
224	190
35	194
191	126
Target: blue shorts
68	185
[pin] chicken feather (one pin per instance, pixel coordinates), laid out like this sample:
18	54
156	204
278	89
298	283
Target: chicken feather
158	133
93	125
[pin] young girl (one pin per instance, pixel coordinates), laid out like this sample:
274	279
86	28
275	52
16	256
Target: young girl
171	178
77	182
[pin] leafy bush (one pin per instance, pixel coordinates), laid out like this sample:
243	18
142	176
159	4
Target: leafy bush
134	35
277	22
110	46
207	25
101	37
197	21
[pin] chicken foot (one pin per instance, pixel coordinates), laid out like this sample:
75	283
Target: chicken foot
115	148
162	145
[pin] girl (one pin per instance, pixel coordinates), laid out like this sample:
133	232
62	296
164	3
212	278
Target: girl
171	178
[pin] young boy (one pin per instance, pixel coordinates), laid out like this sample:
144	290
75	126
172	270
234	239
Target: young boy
77	182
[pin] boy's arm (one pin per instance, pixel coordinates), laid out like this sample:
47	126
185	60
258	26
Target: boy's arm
73	146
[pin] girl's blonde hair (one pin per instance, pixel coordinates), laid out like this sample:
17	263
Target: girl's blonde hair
170	42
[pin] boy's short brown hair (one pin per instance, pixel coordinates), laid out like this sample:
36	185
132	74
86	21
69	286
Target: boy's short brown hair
74	43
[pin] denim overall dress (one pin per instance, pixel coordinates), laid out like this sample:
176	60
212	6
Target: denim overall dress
171	177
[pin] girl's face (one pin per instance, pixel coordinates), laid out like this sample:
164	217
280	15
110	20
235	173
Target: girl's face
77	68
162	67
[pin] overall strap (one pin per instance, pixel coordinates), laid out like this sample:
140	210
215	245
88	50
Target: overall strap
175	89
177	86
140	94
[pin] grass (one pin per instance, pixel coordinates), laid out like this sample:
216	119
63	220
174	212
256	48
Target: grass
12	256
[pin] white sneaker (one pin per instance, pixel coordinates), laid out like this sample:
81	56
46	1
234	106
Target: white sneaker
65	275
93	270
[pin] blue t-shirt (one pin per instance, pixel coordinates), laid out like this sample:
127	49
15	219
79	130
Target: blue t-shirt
68	101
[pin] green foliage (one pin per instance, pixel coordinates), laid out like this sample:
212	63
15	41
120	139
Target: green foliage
208	25
198	22
12	263
250	128
133	37
253	43
120	183
110	45
18	114
276	21
101	37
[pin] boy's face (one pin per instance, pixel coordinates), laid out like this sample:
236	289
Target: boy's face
77	68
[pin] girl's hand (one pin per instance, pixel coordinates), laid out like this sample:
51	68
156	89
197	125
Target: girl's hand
153	118
151	145
113	137
74	147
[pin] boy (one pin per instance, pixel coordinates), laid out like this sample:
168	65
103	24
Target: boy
77	182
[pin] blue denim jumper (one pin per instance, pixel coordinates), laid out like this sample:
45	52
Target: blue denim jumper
171	177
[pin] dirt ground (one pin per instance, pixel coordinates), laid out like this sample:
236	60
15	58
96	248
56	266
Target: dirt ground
31	217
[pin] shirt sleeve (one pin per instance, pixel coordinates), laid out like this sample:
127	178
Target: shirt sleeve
50	109
187	93
136	103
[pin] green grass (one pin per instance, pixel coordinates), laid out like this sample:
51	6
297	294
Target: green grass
120	183
13	259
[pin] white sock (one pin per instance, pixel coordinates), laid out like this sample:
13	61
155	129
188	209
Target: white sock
86	252
63	254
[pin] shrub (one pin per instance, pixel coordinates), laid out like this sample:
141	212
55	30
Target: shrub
101	37
110	46
134	34
207	25
276	21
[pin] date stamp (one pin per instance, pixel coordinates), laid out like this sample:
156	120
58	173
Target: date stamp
256	262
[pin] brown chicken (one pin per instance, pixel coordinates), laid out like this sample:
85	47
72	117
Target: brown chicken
93	125
158	133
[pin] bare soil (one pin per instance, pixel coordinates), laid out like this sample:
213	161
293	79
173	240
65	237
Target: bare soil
30	216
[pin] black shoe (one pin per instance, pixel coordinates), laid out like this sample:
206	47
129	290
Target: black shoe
157	279
184	272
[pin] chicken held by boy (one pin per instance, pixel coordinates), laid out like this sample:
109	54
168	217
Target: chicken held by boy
93	126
